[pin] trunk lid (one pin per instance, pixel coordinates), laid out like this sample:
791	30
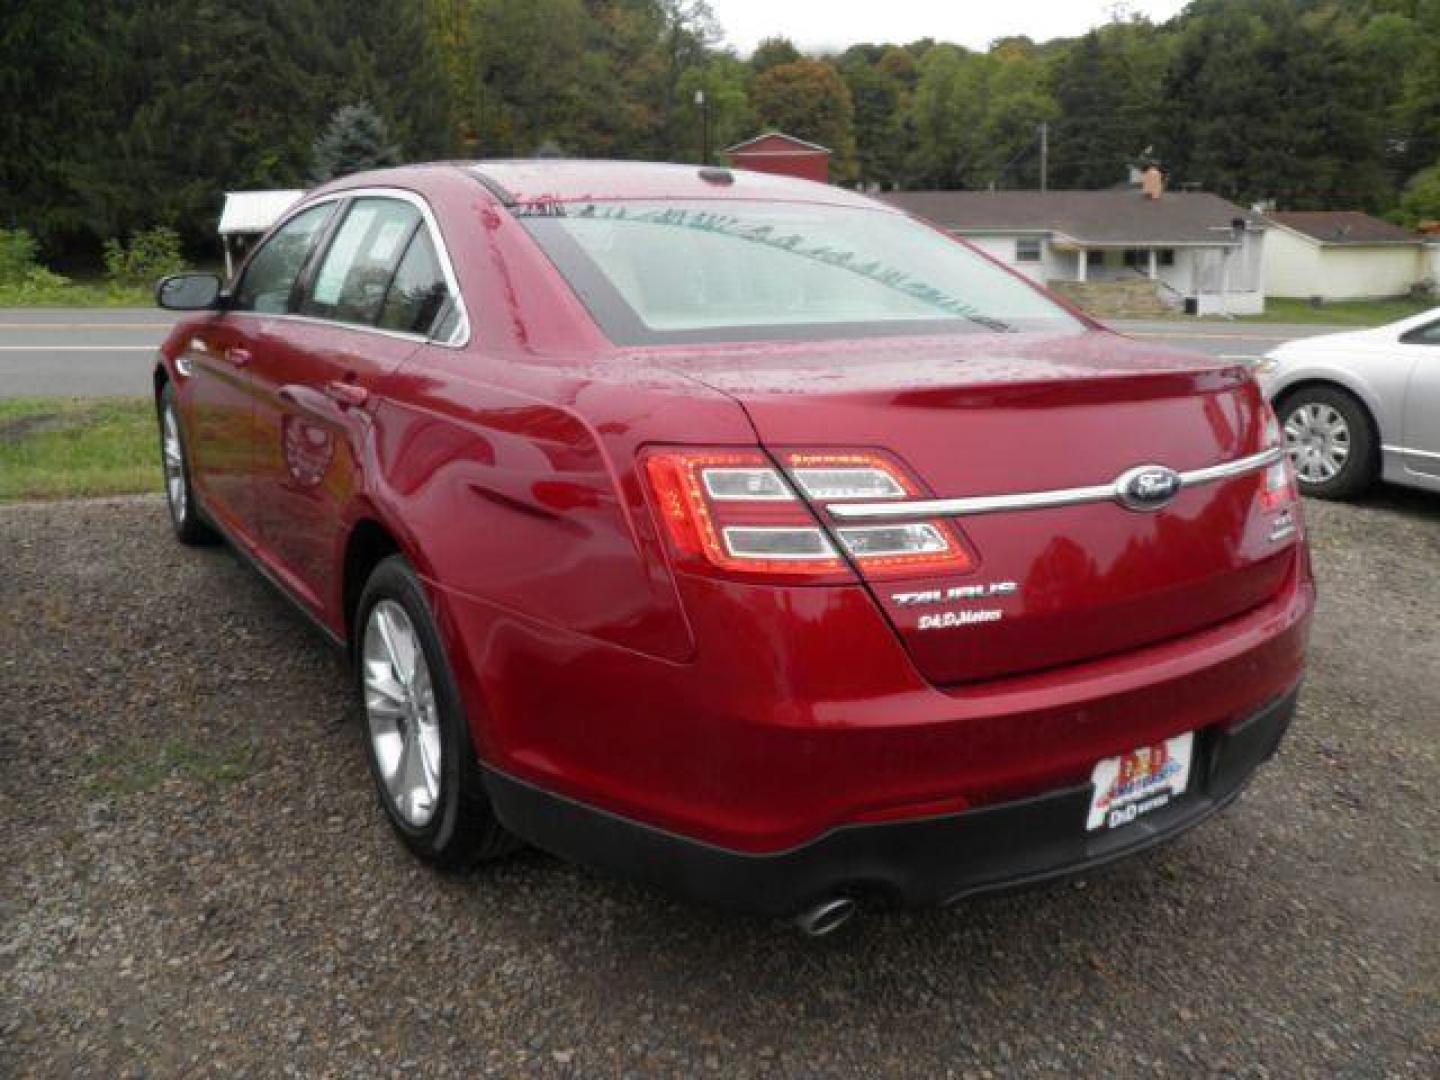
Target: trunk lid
987	415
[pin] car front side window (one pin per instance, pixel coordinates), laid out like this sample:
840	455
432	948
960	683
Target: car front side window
1423	335
270	275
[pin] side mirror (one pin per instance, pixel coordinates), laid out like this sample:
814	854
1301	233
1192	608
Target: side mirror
188	292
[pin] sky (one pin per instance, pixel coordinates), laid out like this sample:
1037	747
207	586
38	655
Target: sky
832	25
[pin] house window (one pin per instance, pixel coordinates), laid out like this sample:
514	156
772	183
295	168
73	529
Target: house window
1139	258
1094	258
1027	249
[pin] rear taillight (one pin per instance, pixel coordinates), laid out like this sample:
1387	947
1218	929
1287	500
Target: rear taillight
1279	488
734	512
907	549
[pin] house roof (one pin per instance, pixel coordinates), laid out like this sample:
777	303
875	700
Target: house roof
1114	217
1343	227
255	211
791	145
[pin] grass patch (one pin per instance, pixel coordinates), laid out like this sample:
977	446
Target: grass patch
1340	312
61	448
76	294
142	765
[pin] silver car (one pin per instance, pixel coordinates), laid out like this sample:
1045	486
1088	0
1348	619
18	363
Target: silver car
1360	406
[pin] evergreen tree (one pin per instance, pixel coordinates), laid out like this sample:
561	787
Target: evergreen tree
354	140
1108	90
1267	102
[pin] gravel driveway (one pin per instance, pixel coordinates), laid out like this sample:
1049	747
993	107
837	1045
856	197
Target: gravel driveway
198	879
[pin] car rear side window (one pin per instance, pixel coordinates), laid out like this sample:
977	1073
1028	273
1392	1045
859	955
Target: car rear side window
270	275
418	292
355	274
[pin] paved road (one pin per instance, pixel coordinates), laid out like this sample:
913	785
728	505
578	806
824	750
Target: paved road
1232	340
90	352
109	351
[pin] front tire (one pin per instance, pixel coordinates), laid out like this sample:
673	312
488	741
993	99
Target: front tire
417	737
1331	441
190	527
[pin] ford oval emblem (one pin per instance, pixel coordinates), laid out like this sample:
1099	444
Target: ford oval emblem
1147	487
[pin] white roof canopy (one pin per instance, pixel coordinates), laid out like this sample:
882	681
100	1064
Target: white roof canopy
254	211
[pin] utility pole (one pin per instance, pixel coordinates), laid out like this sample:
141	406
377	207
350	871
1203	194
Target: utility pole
704	107
1044	153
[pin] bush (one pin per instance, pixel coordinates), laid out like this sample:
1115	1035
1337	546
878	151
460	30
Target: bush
149	256
1421	200
17	256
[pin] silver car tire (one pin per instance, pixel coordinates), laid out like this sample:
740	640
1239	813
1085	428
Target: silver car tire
185	516
417	736
1331	441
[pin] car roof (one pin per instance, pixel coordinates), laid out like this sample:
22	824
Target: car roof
570	180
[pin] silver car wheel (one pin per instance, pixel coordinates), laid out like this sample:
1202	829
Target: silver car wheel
403	717
173	453
1317	438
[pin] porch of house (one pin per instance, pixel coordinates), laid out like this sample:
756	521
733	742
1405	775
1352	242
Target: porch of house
1199	279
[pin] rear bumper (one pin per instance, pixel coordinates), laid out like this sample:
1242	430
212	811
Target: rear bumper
929	861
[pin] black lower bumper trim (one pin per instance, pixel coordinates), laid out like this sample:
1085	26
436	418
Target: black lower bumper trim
921	862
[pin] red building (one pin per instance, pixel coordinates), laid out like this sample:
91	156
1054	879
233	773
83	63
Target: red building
785	155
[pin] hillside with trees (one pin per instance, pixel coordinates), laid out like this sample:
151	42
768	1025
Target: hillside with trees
122	118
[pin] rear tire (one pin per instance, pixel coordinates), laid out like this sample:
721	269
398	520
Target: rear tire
417	737
1331	441
190	527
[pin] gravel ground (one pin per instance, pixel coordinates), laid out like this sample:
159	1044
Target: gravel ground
199	879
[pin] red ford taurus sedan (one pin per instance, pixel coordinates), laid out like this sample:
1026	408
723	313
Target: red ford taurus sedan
740	533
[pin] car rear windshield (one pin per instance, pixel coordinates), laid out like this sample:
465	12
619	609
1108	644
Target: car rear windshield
662	272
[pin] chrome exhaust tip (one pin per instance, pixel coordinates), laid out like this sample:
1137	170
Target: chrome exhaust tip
826	917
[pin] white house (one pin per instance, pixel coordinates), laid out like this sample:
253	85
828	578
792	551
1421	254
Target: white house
1344	255
248	214
1202	252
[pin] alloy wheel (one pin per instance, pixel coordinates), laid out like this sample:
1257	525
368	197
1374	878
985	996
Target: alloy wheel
173	453
401	712
1317	438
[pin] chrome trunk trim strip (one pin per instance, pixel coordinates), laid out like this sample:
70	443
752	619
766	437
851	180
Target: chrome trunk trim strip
1038	500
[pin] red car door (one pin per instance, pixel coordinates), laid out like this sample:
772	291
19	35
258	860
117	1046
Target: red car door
365	306
218	395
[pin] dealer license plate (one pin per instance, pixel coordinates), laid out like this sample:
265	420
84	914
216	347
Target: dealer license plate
1139	783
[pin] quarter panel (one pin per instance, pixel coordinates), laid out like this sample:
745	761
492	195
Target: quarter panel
521	491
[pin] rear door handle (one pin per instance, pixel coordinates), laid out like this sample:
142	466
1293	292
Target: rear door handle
238	357
348	394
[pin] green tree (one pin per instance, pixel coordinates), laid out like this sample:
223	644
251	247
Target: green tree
879	99
725	82
1420	201
773	52
1269	101
50	109
976	118
809	100
1108	87
355	139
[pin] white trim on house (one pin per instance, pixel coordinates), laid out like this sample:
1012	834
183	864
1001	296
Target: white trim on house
806	147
